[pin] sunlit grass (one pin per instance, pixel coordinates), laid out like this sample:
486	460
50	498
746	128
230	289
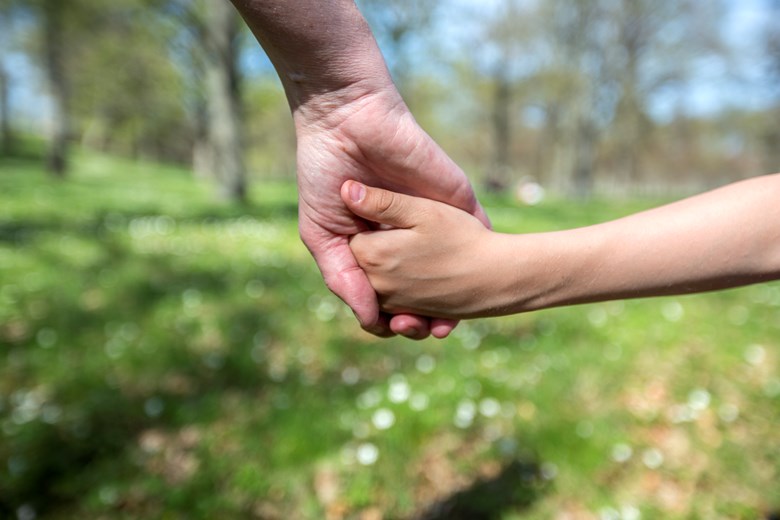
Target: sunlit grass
169	354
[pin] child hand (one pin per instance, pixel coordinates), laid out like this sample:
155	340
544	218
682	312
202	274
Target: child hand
428	258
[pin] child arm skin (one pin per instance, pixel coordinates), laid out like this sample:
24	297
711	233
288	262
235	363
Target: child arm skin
440	261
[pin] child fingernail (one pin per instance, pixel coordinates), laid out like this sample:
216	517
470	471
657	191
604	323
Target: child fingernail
356	192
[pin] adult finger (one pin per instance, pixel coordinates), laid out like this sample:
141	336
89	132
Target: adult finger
411	326
347	280
441	328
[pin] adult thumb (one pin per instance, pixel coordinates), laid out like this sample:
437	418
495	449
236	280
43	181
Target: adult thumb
380	206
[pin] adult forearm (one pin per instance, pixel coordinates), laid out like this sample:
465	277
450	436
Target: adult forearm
724	238
323	50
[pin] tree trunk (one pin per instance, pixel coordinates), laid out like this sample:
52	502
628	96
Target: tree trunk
585	159
772	144
224	100
629	119
542	151
202	154
500	171
5	116
629	139
57	160
562	162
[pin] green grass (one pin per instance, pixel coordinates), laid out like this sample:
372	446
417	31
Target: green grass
165	355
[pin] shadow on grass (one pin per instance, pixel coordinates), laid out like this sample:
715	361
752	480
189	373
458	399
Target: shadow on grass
104	390
74	407
20	232
516	487
24	149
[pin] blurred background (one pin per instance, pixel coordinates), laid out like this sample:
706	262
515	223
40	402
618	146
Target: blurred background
606	97
168	349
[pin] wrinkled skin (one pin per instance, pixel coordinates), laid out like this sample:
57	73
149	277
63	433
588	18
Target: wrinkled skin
374	140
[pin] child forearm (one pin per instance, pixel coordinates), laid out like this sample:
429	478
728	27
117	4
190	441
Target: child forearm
441	262
724	238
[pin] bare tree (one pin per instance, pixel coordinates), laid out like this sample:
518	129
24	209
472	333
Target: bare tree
772	46
511	38
606	60
657	44
52	14
639	25
224	98
396	24
581	52
207	48
5	116
500	171
504	59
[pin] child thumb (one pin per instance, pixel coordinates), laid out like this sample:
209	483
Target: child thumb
378	205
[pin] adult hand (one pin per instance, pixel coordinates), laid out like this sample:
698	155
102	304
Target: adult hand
374	140
351	123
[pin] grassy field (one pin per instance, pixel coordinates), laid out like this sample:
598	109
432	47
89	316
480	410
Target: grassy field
168	356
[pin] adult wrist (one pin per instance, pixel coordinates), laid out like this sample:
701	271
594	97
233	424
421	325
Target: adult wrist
328	108
323	50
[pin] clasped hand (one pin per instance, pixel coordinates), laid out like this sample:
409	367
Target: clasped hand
428	258
374	140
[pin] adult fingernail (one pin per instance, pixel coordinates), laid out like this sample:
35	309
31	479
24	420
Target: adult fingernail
357	191
411	333
375	329
440	332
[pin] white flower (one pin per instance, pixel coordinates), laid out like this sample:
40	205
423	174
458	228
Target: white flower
383	419
367	454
